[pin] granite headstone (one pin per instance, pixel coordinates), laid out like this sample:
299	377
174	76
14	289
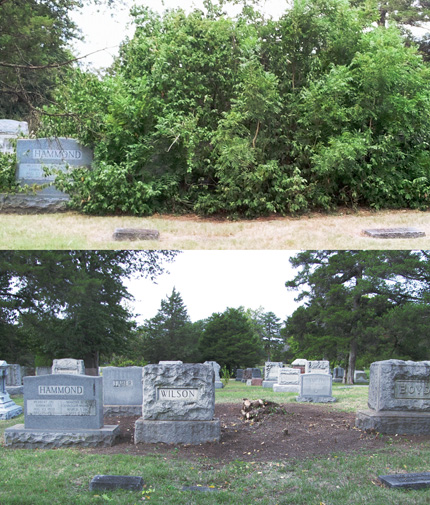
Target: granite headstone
8	408
288	380
122	391
315	388
68	366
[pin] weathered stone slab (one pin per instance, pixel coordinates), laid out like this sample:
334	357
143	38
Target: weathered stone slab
406	480
400	386
177	432
360	377
27	438
338	373
178	392
239	374
322	366
13	375
394	233
178	405
9	130
315	388
109	482
22	203
393	422
288	380
257	382
62	154
135	234
68	366
122	391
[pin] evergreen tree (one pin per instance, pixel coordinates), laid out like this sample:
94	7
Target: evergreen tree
354	300
229	339
170	335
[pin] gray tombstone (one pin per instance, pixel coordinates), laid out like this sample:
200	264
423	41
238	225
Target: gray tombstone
8	408
271	373
122	391
62	410
55	154
322	366
360	377
315	388
178	405
14	380
110	482
217	368
406	480
10	130
68	366
239	374
288	380
43	370
338	374
399	398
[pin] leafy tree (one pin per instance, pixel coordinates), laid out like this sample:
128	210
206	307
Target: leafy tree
359	302
34	51
71	303
268	327
170	335
228	338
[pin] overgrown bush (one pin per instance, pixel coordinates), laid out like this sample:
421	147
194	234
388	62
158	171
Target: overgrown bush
249	116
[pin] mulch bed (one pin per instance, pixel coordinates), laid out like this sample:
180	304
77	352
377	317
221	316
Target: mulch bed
293	431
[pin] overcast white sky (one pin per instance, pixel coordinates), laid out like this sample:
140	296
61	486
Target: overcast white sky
211	281
107	28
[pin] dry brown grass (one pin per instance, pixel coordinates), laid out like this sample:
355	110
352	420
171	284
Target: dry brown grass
315	231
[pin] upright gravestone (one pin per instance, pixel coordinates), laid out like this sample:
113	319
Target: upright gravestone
322	366
8	408
315	387
271	373
10	130
399	398
218	384
68	366
338	374
239	374
360	377
14	380
178	405
53	154
300	364
249	374
122	391
62	410
288	380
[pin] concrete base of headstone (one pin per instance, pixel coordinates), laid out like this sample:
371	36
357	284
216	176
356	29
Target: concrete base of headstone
219	385
15	390
109	482
135	234
268	384
20	437
22	203
122	410
177	432
285	388
8	408
392	423
337	380
316	399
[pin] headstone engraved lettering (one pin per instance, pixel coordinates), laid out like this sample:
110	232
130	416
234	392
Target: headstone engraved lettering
61	390
414	390
177	394
61	408
122	383
57	154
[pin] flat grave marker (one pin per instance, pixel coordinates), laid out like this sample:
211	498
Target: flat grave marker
394	233
110	482
406	480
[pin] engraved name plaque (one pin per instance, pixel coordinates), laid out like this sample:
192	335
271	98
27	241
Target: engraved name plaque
177	394
411	389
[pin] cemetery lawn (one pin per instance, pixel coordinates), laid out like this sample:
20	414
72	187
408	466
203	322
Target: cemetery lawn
322	459
341	230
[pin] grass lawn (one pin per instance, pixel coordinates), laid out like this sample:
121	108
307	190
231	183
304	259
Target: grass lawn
342	230
62	476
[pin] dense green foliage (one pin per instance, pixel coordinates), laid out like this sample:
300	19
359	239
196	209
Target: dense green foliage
252	116
361	306
56	304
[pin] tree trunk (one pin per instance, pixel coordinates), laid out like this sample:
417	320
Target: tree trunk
351	361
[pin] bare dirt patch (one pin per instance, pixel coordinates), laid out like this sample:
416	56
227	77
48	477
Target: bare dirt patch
293	431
